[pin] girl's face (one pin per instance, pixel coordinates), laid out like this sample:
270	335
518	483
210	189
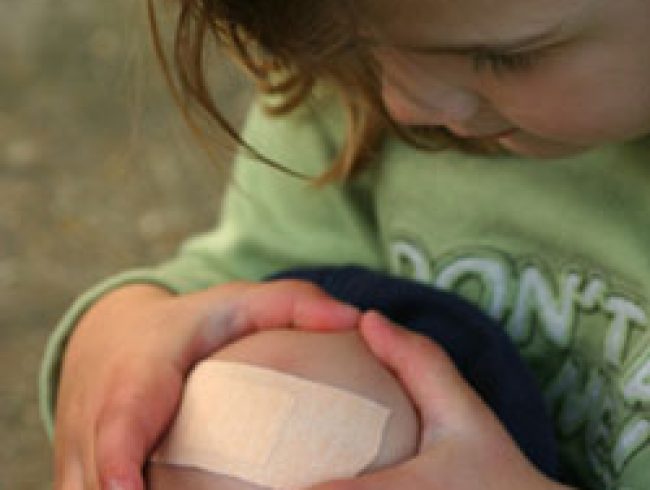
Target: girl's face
545	78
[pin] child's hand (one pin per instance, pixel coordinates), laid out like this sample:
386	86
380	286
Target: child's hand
125	364
463	446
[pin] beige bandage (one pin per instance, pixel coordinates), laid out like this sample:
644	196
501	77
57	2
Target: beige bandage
271	428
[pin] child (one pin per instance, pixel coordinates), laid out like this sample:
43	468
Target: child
550	238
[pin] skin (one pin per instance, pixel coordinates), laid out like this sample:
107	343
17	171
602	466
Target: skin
462	444
124	366
339	359
585	86
105	427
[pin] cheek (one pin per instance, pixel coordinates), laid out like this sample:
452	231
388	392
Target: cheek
605	97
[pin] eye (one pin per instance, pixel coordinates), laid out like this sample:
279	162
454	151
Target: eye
498	63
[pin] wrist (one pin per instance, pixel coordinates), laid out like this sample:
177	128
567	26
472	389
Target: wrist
112	311
124	298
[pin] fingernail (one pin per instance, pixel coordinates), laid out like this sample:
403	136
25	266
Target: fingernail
122	480
381	318
374	324
115	485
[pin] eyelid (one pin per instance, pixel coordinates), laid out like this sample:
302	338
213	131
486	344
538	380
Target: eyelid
542	48
498	64
487	51
529	46
527	54
527	50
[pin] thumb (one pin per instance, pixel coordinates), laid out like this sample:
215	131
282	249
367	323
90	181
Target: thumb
439	392
230	311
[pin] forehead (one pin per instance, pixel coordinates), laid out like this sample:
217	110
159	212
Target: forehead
409	21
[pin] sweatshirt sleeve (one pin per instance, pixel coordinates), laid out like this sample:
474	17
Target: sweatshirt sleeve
270	221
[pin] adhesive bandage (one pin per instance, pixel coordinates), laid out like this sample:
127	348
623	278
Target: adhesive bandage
270	428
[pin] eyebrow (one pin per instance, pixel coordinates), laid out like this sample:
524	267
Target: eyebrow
473	47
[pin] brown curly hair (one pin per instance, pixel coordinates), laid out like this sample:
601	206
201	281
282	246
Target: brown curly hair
287	46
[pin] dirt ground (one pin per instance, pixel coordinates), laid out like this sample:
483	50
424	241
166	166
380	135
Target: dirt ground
97	174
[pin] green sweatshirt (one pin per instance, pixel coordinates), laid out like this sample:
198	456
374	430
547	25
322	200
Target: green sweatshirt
558	252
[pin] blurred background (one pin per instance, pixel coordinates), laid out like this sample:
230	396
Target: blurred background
97	173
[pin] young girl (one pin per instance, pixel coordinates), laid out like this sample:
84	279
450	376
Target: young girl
537	211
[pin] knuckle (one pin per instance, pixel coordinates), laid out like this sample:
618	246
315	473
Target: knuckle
432	349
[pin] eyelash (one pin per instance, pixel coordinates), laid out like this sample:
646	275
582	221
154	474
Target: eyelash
498	63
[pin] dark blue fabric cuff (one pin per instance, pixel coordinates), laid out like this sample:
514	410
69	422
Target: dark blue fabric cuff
478	345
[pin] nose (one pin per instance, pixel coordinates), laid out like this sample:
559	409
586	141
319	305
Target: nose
437	105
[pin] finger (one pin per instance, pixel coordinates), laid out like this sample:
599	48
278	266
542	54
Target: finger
74	469
244	307
128	428
71	478
68	469
302	305
120	457
440	393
